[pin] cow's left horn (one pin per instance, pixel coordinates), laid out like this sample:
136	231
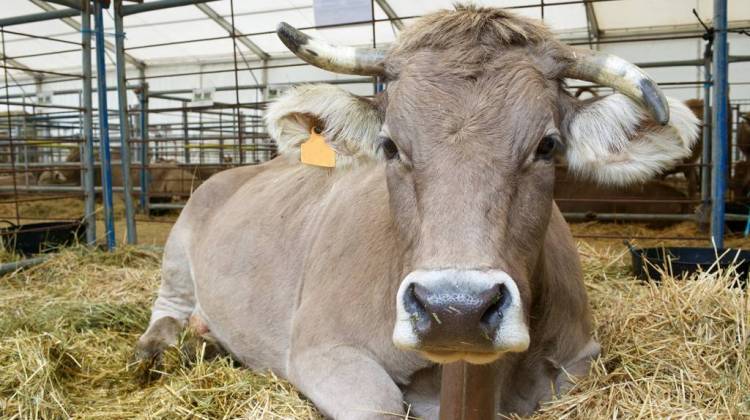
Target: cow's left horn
624	77
338	59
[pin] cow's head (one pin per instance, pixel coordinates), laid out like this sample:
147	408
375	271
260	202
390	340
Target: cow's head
52	177
468	129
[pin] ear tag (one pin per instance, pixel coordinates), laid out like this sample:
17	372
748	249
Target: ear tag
315	151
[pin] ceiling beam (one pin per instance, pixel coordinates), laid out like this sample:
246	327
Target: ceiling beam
250	45
592	22
21	67
77	26
73	4
388	10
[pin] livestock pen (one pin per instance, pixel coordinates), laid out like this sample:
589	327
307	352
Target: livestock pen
112	115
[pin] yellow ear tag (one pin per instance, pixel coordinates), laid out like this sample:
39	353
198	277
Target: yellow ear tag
315	151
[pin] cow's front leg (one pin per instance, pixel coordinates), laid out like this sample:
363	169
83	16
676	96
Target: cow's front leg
346	383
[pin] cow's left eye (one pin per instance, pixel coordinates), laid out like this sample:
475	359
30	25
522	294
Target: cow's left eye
547	147
389	148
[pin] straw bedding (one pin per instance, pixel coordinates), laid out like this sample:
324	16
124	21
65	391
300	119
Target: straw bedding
68	327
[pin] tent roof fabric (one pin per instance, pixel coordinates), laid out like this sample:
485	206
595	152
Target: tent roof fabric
258	18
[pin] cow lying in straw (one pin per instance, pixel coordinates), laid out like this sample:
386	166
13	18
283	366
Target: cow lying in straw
435	238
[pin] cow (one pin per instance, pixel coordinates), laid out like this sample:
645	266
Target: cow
743	135
19	179
434	238
167	178
740	184
574	195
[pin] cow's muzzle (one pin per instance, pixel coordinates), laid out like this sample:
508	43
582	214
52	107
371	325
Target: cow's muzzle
449	315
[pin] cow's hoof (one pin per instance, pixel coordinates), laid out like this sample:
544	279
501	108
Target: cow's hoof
150	348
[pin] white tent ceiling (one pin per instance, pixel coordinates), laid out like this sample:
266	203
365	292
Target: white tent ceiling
259	17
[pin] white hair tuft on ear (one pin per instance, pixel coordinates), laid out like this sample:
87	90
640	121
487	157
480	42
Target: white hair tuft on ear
350	124
609	142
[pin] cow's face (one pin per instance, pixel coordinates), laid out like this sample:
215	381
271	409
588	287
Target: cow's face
467	135
470	170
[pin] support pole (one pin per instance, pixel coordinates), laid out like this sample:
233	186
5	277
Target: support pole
122	99
720	146
707	131
185	134
143	97
104	152
88	129
467	392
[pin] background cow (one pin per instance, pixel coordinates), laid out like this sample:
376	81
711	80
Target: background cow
435	238
167	179
21	179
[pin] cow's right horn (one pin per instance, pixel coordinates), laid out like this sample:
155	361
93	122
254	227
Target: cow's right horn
338	59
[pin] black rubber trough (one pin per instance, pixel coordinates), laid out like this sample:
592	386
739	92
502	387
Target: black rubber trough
650	263
36	238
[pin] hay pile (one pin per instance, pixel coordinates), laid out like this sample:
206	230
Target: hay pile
68	328
66	337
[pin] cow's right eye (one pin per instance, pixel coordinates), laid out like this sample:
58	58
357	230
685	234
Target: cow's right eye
389	149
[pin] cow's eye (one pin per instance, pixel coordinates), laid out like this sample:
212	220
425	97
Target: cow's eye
389	148
547	147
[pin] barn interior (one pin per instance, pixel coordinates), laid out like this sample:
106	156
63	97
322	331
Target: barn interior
113	112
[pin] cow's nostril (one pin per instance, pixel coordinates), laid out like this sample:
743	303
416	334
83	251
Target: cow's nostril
414	303
493	315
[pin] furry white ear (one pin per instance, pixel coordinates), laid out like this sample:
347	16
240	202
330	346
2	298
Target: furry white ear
350	124
614	142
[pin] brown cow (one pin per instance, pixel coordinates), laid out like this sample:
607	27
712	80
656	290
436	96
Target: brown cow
740	184
22	179
435	238
656	196
167	179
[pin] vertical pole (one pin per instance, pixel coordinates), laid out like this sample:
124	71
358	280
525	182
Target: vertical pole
104	152
143	97
467	392
9	118
122	99
88	129
734	131
374	44
721	91
185	133
221	138
237	86
707	131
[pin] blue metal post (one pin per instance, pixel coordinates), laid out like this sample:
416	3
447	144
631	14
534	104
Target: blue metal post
101	81
720	147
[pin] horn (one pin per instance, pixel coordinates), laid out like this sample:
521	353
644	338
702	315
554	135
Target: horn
624	77
338	59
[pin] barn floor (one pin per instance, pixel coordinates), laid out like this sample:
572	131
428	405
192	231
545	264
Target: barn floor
68	327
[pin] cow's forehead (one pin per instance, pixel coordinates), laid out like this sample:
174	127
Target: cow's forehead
512	104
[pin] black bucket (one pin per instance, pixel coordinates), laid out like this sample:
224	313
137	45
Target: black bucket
648	263
35	238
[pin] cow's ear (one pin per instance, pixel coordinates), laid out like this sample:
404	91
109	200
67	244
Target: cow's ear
612	140
350	124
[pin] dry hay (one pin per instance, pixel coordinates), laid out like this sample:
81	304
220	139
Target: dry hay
68	328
